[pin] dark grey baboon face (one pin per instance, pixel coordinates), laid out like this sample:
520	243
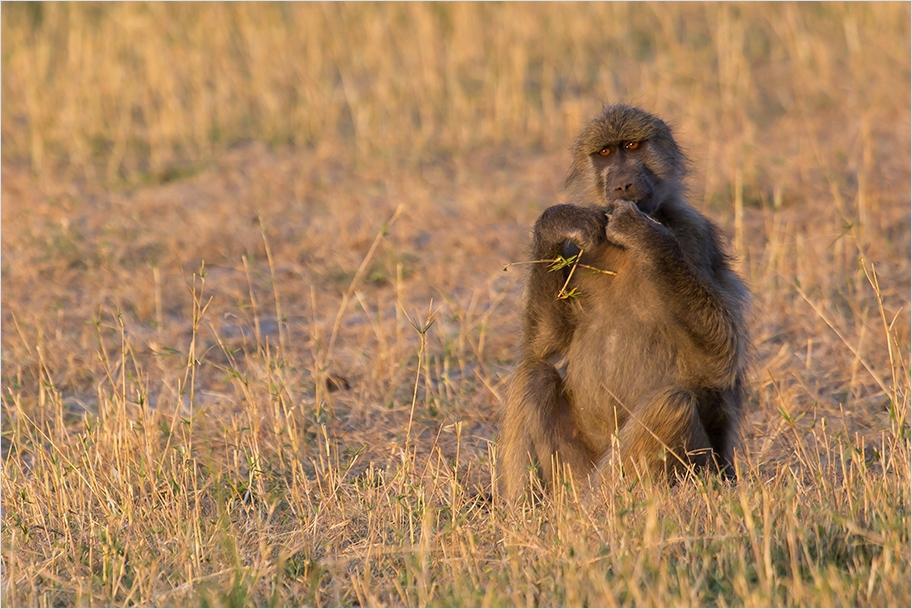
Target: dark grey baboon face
627	154
621	171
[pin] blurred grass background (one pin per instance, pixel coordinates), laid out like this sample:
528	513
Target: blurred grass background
121	90
210	209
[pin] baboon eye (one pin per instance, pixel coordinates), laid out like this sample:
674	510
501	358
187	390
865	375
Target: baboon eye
632	145
605	151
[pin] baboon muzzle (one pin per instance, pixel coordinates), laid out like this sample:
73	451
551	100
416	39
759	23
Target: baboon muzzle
628	186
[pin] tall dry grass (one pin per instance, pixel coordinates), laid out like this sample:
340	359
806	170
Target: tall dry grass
140	87
255	322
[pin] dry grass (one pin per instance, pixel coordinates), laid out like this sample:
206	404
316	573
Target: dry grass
213	213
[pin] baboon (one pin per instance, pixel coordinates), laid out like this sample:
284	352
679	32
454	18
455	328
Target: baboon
656	354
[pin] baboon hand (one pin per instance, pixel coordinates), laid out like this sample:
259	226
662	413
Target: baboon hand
631	229
571	227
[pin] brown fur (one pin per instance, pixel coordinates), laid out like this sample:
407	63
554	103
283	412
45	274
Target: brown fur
656	354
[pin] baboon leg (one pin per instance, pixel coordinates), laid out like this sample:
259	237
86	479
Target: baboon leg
665	435
719	420
538	431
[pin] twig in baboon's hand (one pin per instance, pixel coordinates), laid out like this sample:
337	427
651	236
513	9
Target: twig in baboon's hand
573	293
596	269
563	294
561	262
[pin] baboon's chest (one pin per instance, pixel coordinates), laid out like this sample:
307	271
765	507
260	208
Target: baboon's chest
622	352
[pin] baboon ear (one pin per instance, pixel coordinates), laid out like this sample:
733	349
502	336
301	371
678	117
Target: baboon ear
578	181
573	176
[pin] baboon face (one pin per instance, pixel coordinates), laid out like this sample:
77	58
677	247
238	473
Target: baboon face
631	155
622	174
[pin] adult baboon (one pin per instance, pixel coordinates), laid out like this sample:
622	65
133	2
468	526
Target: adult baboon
657	353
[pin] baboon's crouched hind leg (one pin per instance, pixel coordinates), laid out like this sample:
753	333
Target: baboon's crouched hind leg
537	431
664	434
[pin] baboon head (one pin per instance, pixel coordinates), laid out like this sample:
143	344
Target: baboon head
626	154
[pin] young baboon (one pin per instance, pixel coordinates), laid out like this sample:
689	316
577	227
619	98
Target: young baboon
657	353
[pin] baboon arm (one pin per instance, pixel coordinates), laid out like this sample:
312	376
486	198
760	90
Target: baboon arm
708	312
548	324
697	299
548	320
